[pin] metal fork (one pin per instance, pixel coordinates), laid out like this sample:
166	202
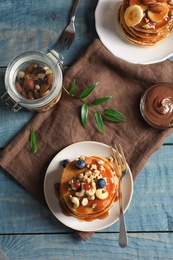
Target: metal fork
120	166
68	35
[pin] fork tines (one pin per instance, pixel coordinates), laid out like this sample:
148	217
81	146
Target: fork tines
119	157
119	151
66	39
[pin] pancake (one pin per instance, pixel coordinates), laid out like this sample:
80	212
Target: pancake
88	193
146	22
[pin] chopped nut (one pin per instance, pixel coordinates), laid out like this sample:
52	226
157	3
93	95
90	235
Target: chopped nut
48	72
156	8
96	172
41	76
34	82
149	2
80	176
75	202
147	20
147	26
84	202
82	157
94	205
80	193
101	195
100	162
92	191
93	167
91	197
21	74
101	168
37	87
84	178
88	173
111	159
89	180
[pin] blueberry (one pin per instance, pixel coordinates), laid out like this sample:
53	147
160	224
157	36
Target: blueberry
101	183
65	162
80	164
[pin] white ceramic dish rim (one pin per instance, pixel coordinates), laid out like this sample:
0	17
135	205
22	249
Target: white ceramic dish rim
110	34
53	175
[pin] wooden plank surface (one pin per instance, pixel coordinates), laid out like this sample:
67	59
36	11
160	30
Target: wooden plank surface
149	211
57	246
38	25
27	229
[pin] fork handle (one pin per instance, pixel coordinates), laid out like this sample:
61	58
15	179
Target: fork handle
74	10
123	240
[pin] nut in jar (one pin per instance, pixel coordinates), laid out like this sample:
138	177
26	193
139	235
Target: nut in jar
34	80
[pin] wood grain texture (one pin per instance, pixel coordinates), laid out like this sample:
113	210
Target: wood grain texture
38	25
105	246
150	209
27	229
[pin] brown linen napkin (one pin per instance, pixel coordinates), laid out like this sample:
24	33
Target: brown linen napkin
61	126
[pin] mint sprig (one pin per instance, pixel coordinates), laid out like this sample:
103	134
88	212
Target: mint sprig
99	115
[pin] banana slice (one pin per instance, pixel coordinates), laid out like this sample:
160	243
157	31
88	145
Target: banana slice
133	15
156	16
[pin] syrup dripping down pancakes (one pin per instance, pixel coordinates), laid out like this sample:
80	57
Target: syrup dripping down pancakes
88	193
146	22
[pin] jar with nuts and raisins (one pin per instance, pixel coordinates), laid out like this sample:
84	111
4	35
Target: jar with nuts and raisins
33	80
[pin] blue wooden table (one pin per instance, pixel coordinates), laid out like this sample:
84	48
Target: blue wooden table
27	229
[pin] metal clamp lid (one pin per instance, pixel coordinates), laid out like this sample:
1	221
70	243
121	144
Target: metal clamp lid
15	107
56	55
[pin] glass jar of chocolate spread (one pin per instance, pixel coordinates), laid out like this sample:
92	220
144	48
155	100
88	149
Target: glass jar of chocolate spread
33	80
156	105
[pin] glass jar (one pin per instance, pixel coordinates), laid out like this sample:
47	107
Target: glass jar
156	105
15	100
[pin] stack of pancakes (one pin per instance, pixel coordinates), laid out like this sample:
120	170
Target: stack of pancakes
146	22
86	201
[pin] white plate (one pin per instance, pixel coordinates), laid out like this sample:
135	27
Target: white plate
107	26
53	175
